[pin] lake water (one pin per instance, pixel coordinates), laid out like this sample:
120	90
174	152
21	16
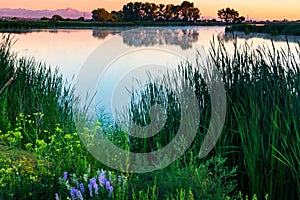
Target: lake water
75	52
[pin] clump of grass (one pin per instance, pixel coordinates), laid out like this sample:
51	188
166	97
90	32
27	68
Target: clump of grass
261	132
35	89
263	91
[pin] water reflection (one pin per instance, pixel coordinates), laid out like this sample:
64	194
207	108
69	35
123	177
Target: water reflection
228	37
102	34
183	37
179	37
20	31
69	48
28	31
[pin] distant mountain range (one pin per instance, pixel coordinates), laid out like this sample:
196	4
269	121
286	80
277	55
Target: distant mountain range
37	14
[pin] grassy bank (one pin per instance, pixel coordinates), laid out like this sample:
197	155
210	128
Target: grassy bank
39	24
41	154
270	28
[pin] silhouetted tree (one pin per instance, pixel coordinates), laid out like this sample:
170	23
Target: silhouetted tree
240	19
118	15
103	15
228	15
150	11
193	14
57	18
45	18
175	10
169	14
160	14
185	9
138	11
129	12
80	19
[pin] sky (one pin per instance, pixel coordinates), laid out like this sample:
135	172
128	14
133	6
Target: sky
255	9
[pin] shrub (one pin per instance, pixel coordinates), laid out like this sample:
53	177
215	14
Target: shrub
25	177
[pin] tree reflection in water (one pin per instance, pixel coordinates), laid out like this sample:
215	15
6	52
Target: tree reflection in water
102	34
183	37
228	37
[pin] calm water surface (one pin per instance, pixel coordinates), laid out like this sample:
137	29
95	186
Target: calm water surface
69	49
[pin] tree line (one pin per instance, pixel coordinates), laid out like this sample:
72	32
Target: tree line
138	11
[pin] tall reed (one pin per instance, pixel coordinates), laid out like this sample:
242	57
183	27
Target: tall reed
262	86
36	89
261	132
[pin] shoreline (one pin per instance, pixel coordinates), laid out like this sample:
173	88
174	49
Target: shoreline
272	28
27	24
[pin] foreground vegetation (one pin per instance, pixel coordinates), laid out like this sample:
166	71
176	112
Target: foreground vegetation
41	155
276	28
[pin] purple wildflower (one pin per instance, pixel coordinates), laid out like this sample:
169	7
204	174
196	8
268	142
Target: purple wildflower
81	187
72	193
102	179
56	196
111	189
96	187
78	194
75	194
107	185
93	181
65	176
91	189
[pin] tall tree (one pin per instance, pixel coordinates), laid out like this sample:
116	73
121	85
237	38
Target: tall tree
184	10
138	11
228	15
129	12
103	15
169	14
193	14
160	14
118	15
175	10
149	11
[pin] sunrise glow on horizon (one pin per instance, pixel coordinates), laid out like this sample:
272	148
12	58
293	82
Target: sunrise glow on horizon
255	9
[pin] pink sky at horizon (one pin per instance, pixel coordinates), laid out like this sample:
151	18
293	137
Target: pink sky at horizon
257	9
